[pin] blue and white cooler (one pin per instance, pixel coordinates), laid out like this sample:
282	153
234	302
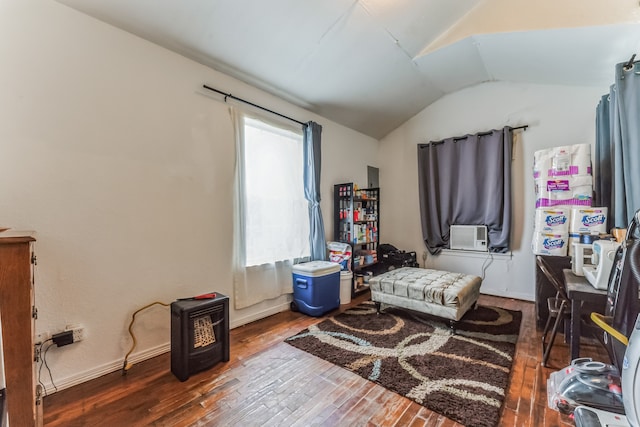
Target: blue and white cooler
316	287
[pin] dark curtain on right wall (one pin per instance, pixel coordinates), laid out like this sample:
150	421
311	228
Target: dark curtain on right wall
466	181
618	146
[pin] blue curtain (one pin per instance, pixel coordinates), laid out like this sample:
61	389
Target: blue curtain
312	166
622	144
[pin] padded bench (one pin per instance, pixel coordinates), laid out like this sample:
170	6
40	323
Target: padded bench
438	293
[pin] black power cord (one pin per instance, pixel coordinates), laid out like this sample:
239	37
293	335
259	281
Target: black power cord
42	356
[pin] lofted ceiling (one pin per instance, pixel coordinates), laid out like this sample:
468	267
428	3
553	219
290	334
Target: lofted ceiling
373	64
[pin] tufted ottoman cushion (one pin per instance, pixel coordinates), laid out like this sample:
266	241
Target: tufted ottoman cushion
440	293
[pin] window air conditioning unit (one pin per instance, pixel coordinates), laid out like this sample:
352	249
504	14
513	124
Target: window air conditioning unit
468	237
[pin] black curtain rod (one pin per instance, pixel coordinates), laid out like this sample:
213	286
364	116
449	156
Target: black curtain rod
629	64
457	138
228	95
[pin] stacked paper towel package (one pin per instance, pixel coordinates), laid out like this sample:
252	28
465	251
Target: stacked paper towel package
564	191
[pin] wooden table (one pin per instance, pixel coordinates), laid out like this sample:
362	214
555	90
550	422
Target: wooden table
581	292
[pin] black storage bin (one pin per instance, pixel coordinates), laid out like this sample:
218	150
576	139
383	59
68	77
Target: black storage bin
390	257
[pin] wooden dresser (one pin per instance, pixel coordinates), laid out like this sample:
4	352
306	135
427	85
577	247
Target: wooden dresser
17	314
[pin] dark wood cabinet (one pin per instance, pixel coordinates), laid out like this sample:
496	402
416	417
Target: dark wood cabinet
17	314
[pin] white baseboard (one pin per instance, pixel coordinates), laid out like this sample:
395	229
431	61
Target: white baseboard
259	315
476	254
138	357
107	368
508	294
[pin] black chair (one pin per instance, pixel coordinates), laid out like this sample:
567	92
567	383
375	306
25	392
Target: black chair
559	309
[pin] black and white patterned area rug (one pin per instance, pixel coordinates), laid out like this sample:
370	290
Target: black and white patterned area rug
463	376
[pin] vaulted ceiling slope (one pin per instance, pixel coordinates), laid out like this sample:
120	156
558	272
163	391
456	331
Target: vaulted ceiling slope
373	64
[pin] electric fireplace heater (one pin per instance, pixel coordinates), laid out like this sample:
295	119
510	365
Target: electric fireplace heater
199	334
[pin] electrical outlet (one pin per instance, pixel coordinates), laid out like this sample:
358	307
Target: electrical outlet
42	337
78	332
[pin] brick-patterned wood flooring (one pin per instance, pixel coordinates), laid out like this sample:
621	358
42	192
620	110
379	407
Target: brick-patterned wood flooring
268	382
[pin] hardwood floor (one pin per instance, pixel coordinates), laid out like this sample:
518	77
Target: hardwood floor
268	382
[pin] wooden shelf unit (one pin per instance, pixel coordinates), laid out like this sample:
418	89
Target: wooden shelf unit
356	221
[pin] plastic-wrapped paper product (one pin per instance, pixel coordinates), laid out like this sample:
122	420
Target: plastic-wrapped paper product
571	160
550	244
588	220
562	161
340	253
565	191
552	220
542	163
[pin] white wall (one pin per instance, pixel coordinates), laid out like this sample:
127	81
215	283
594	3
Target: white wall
109	151
556	115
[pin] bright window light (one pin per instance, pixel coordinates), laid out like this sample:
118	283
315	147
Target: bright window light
276	211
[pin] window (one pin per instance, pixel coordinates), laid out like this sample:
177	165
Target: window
275	211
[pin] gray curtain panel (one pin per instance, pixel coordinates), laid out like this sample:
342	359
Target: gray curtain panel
627	146
603	159
466	181
312	165
619	136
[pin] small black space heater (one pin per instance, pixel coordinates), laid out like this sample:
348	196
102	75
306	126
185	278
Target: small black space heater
199	334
